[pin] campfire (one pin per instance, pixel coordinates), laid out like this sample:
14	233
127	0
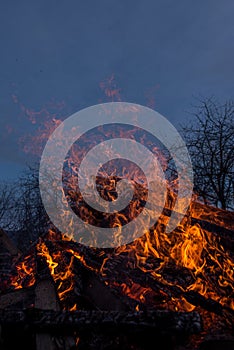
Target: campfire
175	288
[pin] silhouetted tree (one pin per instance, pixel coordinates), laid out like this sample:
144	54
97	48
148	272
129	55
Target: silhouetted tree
30	213
7	205
210	140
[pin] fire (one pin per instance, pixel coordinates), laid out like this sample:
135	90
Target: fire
188	251
197	253
193	248
43	251
63	278
25	273
110	89
189	248
195	257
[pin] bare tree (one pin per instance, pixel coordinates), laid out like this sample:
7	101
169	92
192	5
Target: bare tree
22	213
7	204
210	140
30	214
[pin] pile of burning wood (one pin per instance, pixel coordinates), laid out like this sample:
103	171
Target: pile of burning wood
173	289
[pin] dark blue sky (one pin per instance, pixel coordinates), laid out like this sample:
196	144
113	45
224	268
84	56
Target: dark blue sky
63	49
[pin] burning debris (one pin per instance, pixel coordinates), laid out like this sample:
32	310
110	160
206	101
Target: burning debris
178	286
175	288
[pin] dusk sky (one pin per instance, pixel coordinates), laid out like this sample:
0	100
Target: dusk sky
55	54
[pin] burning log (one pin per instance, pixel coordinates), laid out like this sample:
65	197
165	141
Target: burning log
46	298
45	292
99	295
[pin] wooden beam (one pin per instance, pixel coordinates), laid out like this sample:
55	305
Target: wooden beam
159	320
23	297
45	299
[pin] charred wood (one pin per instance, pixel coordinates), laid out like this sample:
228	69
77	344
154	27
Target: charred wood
163	321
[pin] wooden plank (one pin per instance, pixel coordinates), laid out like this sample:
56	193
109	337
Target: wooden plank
68	321
22	297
